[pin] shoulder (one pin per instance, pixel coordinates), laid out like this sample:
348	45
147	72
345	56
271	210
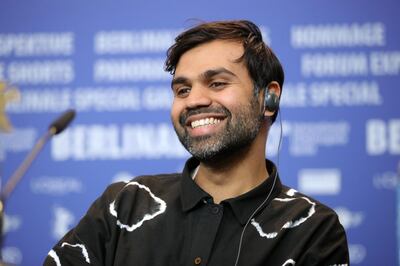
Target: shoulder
143	190
161	183
140	199
140	192
299	210
315	227
303	201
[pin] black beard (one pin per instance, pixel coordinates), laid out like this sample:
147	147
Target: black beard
240	131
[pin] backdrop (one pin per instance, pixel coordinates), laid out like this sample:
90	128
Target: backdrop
340	117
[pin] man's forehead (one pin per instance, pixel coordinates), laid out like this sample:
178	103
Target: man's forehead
209	57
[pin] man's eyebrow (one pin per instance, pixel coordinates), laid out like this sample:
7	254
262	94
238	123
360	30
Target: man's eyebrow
213	72
178	80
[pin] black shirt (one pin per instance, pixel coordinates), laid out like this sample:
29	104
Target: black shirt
170	220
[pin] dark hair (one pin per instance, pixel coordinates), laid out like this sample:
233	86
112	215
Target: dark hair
262	64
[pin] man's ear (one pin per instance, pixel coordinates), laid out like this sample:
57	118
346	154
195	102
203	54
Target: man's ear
271	98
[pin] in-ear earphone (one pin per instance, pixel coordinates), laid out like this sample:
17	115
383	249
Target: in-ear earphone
271	101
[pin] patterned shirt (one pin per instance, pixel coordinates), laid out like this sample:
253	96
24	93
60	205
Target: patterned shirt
170	220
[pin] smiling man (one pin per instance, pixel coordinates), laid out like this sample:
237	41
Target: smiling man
219	117
228	206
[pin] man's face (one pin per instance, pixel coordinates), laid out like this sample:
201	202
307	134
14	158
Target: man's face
214	111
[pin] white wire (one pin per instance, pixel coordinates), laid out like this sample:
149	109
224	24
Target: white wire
269	194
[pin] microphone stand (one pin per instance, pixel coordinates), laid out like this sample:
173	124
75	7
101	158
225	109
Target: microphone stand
21	170
13	181
55	128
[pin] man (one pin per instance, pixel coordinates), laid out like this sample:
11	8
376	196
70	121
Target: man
228	206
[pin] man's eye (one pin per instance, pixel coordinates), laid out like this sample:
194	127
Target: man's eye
218	84
181	92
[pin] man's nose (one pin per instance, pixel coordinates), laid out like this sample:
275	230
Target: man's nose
198	97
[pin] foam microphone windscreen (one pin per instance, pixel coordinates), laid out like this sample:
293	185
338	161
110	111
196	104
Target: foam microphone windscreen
62	121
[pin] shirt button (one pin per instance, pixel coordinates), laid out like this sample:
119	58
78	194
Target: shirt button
215	209
197	260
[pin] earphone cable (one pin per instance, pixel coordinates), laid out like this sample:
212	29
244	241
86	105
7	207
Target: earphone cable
269	194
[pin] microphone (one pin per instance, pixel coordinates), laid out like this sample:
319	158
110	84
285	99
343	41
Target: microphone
62	122
56	127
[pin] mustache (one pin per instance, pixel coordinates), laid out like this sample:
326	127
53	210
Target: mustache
202	110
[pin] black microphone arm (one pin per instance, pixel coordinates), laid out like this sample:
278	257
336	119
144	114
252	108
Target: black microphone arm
55	128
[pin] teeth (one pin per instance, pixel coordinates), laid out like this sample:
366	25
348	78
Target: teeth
205	122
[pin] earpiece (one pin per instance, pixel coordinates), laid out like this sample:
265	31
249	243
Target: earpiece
271	101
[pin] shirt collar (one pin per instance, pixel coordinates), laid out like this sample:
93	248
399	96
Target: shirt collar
244	205
191	193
